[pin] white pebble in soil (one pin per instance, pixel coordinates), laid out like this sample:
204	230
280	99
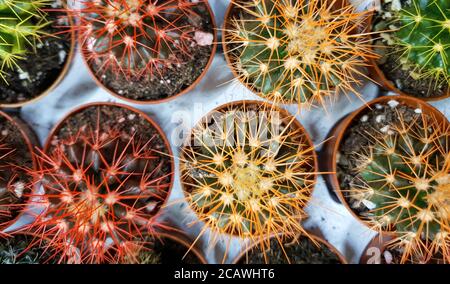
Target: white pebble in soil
393	103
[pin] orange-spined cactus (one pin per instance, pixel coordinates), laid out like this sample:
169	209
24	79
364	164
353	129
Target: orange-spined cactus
301	52
136	38
248	170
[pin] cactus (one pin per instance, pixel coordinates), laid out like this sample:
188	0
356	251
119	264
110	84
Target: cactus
304	51
404	180
248	171
103	189
420	30
136	38
22	24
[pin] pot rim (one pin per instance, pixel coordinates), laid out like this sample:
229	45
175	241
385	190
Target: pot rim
158	128
340	129
380	78
62	74
311	236
30	146
164	100
285	114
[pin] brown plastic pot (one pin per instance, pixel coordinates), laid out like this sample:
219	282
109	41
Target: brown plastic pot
55	83
283	114
31	141
315	238
337	136
373	252
379	77
152	102
57	127
227	27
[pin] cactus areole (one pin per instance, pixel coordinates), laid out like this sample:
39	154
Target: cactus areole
416	39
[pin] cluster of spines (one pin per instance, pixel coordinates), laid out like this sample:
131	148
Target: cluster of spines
249	171
102	190
423	35
301	52
136	38
404	180
22	24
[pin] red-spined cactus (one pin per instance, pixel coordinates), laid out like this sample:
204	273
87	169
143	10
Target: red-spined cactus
103	188
136	38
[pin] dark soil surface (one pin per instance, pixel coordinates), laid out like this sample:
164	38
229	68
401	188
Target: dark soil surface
14	182
355	141
392	68
40	69
303	251
175	80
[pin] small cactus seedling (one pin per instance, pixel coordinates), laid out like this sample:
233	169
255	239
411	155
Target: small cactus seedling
21	26
103	189
248	171
420	30
404	180
136	38
298	52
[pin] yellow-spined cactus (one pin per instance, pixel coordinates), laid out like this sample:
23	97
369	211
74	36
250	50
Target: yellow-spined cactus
298	52
248	170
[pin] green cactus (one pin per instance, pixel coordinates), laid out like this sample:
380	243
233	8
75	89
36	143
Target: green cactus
249	173
22	24
404	181
302	51
422	32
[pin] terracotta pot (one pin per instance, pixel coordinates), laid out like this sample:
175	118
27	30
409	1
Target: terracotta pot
243	254
283	114
182	239
58	80
151	102
337	136
61	123
31	141
378	76
227	27
373	252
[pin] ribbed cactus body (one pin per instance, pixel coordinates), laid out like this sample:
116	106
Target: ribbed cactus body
297	51
21	26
